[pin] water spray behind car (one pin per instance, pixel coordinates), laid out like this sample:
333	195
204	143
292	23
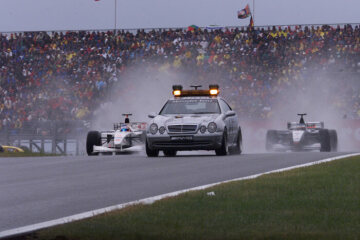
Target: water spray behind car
314	94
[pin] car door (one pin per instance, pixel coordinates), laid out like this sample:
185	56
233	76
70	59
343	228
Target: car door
231	122
234	122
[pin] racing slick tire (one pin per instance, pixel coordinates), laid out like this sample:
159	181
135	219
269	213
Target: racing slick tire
170	153
151	152
325	143
224	149
93	138
333	140
271	138
237	149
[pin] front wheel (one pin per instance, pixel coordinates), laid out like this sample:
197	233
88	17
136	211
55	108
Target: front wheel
151	152
223	150
333	140
93	139
237	149
325	144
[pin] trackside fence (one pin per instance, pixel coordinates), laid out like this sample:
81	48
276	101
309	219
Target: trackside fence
51	137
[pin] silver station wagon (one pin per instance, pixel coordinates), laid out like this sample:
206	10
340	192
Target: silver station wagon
194	119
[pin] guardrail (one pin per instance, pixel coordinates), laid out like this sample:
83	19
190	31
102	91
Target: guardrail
67	138
63	144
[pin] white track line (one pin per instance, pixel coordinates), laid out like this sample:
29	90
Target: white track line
150	200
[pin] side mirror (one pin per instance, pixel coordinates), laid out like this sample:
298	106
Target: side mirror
152	115
230	114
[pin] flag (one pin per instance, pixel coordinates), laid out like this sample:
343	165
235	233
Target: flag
244	13
251	24
192	27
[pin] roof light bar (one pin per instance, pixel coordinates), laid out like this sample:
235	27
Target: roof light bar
179	92
214	86
177	87
196	86
214	91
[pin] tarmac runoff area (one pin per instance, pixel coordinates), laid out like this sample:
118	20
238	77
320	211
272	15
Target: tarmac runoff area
46	191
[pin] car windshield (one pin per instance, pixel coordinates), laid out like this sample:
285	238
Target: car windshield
191	106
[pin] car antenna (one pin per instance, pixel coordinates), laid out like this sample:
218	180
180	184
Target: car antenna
196	86
302	121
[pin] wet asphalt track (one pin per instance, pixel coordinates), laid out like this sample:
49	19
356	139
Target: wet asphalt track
34	190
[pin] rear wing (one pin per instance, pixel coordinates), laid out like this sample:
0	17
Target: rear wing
134	126
316	125
311	125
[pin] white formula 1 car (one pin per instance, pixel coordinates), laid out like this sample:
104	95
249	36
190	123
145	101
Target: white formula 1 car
302	136
125	137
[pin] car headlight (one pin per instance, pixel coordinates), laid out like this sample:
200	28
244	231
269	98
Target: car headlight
202	129
153	128
212	127
161	130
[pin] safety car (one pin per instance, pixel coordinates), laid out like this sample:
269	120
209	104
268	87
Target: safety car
195	119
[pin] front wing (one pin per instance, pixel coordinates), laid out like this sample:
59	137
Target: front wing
300	147
103	149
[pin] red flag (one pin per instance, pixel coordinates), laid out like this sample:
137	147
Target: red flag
244	13
251	24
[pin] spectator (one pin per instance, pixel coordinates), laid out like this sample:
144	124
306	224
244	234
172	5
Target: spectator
65	76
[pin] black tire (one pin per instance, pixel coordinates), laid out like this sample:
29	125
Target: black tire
237	149
271	139
151	152
325	140
333	140
170	153
224	149
1	149
93	138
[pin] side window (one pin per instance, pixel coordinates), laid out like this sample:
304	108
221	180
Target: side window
224	106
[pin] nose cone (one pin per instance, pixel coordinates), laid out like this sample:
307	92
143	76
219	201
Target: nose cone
119	138
297	136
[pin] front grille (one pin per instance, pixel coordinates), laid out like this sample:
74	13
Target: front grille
181	128
181	144
175	143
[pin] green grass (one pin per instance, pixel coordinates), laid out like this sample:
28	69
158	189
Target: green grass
318	202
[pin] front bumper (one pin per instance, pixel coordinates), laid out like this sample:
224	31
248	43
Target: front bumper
208	141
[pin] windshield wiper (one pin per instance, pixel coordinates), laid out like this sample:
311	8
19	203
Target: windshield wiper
204	112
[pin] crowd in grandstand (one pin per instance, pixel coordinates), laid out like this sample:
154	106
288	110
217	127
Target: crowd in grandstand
65	76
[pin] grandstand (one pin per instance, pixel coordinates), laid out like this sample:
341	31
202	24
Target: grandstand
64	76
